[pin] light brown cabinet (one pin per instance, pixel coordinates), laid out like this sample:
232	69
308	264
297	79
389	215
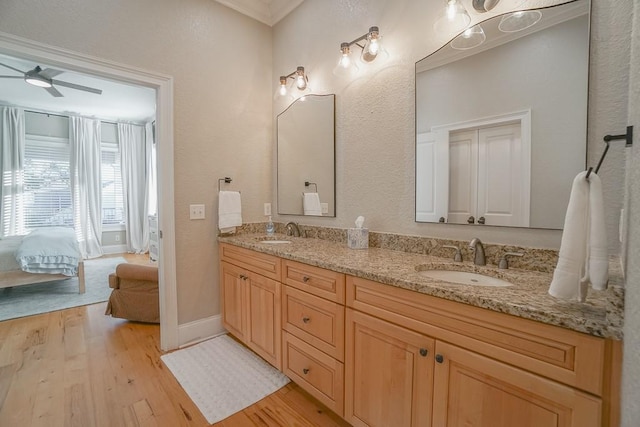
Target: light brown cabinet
474	390
389	373
395	357
251	301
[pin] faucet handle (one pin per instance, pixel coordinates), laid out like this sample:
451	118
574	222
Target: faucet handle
504	263
458	255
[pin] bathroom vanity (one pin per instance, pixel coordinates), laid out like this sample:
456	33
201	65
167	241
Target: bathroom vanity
380	343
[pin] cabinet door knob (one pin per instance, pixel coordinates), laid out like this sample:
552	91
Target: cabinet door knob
471	219
243	277
305	279
305	371
423	352
306	319
439	358
481	220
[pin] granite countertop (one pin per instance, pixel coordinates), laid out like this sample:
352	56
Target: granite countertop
601	315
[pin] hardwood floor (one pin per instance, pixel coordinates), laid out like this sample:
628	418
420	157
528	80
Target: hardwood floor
78	367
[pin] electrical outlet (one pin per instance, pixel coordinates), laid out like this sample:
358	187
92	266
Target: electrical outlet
267	209
196	211
324	207
117	237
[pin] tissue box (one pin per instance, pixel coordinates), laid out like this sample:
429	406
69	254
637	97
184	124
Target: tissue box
358	238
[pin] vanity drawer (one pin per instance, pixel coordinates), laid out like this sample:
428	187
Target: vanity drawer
264	264
563	355
315	280
314	320
320	375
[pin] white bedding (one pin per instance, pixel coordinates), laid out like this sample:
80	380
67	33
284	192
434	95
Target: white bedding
51	250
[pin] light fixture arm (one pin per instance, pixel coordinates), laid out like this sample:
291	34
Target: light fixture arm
372	31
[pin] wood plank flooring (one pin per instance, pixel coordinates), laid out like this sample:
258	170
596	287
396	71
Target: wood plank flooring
78	367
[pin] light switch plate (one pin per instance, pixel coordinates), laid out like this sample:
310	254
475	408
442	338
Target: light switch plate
324	207
267	209
196	211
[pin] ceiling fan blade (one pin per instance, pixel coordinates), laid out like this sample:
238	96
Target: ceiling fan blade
50	73
78	87
53	91
11	77
12	68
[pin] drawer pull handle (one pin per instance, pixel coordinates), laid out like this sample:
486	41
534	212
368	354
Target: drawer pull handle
305	279
423	352
305	371
439	358
306	319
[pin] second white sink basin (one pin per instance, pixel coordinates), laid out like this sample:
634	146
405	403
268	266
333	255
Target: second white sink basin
465	278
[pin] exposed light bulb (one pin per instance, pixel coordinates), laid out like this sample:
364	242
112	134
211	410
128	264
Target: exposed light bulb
451	10
301	80
373	45
283	90
345	61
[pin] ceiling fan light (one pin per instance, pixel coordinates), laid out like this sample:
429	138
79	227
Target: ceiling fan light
37	81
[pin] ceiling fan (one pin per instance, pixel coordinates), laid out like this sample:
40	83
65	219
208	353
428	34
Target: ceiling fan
45	79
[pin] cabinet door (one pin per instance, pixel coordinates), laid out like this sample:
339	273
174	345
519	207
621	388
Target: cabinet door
263	334
474	390
389	374
232	287
463	172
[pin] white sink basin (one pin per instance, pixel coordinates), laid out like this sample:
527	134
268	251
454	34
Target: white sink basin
275	242
465	278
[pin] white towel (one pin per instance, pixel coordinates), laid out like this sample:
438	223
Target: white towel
311	204
583	250
229	211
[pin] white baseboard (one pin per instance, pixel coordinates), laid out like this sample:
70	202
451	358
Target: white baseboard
200	330
114	249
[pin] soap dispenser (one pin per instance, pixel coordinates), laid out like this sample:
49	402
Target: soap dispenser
270	227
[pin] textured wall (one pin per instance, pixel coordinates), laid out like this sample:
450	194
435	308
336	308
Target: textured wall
375	118
221	64
631	367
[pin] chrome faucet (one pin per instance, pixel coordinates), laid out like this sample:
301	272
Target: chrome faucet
476	246
293	229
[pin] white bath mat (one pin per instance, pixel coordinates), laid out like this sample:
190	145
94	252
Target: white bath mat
222	377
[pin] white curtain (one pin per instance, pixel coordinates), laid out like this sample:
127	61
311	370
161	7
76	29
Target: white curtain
84	137
152	168
12	138
134	161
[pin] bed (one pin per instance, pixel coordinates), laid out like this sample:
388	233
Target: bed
43	255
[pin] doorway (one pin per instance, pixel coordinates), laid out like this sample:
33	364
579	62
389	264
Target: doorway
163	85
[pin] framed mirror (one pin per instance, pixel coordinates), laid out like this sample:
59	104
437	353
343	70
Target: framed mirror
501	120
306	157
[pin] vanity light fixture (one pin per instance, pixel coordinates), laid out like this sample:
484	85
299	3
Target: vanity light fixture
370	51
518	21
453	18
301	82
470	38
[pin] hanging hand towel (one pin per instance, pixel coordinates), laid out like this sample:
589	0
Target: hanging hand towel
583	247
311	204
229	211
598	261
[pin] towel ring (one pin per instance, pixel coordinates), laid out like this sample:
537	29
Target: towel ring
628	137
226	180
307	184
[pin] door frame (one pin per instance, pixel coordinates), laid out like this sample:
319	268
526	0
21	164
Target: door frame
163	85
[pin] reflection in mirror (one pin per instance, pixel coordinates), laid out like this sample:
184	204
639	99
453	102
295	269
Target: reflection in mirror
306	157
501	126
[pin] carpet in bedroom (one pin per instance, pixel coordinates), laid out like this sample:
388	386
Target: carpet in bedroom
27	300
